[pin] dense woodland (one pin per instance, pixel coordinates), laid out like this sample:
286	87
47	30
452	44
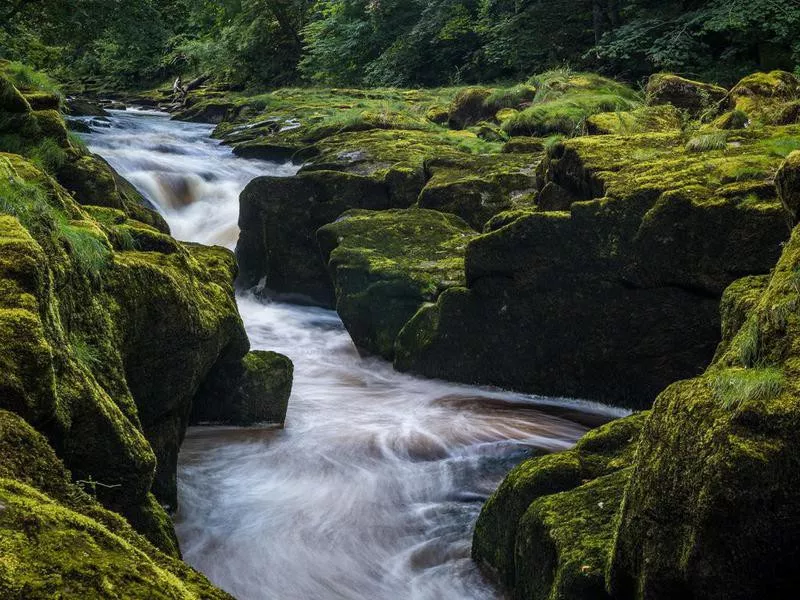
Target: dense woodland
270	43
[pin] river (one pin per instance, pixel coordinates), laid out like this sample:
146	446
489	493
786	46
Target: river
372	488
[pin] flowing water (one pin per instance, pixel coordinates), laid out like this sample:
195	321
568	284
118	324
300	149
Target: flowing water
372	488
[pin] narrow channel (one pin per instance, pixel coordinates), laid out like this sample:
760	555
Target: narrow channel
373	487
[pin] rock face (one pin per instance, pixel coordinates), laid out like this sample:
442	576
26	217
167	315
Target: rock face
385	265
108	329
634	271
279	218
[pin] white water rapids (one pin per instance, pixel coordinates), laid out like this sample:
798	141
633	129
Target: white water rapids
373	487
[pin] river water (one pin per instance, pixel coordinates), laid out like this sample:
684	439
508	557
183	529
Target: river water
373	487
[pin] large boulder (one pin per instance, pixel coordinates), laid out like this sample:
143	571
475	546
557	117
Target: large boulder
548	530
385	265
692	96
279	218
253	390
634	270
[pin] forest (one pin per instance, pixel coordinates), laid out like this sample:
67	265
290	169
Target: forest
272	43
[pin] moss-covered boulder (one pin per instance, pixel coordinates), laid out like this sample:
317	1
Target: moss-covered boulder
470	107
56	540
647	239
659	118
108	328
279	218
787	181
385	265
547	531
712	508
477	188
564	101
768	98
253	390
694	97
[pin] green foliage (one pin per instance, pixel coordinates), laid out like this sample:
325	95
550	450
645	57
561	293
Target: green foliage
732	387
87	354
24	200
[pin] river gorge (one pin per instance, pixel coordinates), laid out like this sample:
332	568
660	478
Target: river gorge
373	487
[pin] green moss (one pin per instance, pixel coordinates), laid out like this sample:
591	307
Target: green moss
540	529
641	120
380	279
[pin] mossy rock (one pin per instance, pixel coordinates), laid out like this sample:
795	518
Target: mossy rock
552	517
692	96
768	98
279	218
381	280
477	188
108	327
712	508
787	181
45	519
254	390
469	107
646	119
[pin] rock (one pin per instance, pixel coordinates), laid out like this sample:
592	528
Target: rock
469	107
787	180
554	197
253	390
43	100
381	278
550	524
524	145
478	188
712	508
692	96
81	107
205	111
650	232
108	328
660	118
279	218
37	494
768	98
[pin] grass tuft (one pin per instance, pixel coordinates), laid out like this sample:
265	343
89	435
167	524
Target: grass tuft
733	387
708	141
